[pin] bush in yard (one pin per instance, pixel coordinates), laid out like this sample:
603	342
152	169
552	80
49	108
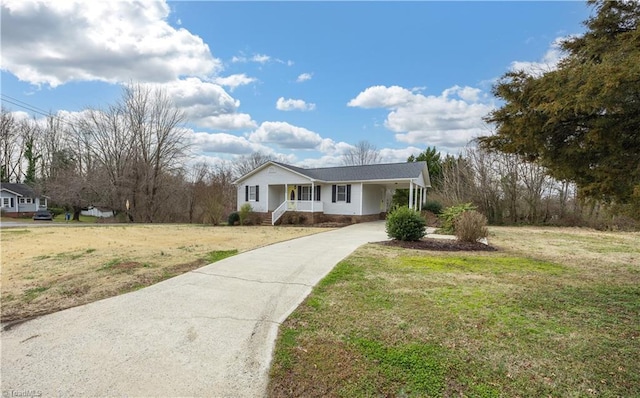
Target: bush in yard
233	218
471	226
433	206
405	224
449	215
245	211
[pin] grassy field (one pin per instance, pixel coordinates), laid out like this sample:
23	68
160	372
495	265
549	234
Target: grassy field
553	313
45	269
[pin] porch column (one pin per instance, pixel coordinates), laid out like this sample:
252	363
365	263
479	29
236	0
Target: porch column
410	194
361	196
312	197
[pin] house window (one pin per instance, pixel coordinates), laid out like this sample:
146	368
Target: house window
23	201
5	202
305	193
252	193
341	192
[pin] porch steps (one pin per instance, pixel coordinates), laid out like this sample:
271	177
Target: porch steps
266	219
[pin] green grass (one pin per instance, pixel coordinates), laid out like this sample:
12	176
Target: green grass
111	264
15	231
218	255
83	219
390	322
33	293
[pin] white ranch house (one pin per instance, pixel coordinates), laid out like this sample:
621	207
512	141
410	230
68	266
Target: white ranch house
358	191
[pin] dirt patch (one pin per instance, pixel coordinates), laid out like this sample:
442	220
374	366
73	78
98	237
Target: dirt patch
127	265
448	245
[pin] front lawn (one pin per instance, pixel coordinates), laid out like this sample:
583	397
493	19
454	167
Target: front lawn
48	269
554	312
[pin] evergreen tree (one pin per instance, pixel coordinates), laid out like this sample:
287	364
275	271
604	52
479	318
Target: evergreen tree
581	120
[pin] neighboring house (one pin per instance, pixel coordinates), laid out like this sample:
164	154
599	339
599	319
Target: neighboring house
363	192
100	212
20	200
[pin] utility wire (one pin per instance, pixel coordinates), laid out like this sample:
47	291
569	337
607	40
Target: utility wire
35	109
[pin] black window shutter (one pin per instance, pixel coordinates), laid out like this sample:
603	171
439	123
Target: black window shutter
317	193
257	193
299	192
349	193
246	193
333	193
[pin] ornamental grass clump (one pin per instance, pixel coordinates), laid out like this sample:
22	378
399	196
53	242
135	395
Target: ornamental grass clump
471	226
405	224
450	214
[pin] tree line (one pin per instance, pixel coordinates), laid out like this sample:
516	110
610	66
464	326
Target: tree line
133	152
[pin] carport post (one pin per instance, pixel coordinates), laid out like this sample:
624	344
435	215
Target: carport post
410	194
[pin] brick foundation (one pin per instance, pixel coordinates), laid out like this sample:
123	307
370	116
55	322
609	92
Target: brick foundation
307	218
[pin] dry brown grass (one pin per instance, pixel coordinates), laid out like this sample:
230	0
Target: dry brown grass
597	254
45	269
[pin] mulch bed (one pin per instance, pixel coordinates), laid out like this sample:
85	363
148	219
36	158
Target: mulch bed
448	245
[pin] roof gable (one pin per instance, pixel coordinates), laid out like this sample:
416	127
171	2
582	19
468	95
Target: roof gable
263	166
19	189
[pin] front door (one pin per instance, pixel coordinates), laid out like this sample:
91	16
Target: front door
291	196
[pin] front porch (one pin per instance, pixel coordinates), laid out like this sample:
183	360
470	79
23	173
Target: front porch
305	206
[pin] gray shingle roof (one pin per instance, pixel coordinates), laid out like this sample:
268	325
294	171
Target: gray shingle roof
388	171
21	189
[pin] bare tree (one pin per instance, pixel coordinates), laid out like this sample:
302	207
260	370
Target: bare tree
158	143
362	153
247	163
10	148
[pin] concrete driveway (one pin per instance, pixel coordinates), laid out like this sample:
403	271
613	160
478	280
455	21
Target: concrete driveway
209	332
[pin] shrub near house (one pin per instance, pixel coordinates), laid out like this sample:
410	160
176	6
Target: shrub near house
405	224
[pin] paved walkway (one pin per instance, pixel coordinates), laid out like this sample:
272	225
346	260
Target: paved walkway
209	332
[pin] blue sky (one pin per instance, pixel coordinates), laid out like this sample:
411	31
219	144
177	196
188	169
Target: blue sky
303	80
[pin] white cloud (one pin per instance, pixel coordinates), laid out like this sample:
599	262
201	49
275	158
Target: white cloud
261	58
448	121
234	81
222	143
294	105
230	122
304	77
382	97
206	104
257	58
285	135
466	93
549	61
399	155
323	161
54	42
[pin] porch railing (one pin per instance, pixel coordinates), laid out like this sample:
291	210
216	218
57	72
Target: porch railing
277	213
295	205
